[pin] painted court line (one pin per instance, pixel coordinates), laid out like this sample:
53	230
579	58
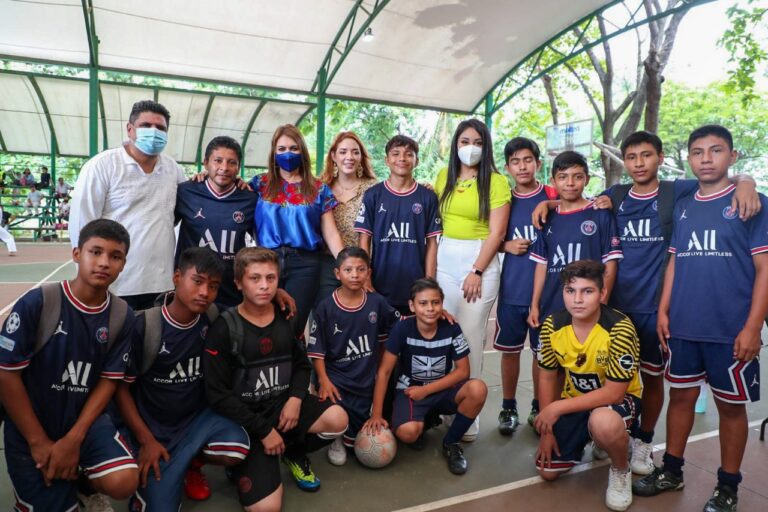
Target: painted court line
9	306
526	482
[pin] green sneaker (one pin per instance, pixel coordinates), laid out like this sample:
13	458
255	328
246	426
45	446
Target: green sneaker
302	473
532	419
656	483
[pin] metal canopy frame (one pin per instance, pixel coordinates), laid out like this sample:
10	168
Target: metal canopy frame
359	18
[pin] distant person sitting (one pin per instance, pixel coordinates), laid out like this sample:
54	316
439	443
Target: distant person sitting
45	178
64	210
34	197
26	179
62	189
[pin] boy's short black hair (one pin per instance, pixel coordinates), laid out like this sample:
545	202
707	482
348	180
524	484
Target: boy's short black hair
711	129
352	252
249	255
223	141
584	269
402	141
148	106
425	283
518	144
44	168
203	259
568	159
641	137
106	229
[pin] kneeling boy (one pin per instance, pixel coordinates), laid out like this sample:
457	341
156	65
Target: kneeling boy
598	349
165	408
257	374
434	375
55	383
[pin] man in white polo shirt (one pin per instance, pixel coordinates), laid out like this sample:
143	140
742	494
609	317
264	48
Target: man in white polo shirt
135	185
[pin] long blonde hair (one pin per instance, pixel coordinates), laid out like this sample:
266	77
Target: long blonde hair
365	162
308	186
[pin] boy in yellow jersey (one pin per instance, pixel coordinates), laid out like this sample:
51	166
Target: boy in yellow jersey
598	349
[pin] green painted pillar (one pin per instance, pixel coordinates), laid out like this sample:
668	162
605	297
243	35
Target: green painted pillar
320	123
93	111
54	149
489	111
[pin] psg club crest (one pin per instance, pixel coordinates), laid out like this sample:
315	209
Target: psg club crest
730	213
417	208
238	217
588	228
265	346
102	335
372	317
655	206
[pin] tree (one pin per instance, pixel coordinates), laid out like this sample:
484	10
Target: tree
742	40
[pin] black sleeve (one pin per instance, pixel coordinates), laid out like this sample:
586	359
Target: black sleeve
301	371
219	367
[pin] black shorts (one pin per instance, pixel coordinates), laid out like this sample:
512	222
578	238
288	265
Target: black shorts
258	475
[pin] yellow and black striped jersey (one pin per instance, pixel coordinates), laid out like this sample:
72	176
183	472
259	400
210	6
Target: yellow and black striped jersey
611	351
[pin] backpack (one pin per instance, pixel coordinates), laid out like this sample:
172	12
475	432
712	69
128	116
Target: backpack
153	330
666	205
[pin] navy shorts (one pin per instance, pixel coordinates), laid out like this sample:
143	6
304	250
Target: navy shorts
652	361
512	328
358	409
406	410
572	433
103	452
691	363
209	433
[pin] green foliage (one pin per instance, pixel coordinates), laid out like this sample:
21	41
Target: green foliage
746	47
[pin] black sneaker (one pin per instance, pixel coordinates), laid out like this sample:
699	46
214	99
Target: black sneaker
419	443
508	421
432	420
656	483
723	500
457	463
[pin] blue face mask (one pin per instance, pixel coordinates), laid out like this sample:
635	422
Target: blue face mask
151	141
288	161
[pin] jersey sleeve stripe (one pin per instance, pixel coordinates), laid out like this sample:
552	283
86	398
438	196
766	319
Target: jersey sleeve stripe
358	229
14	366
113	375
315	355
434	233
671	250
761	249
613	255
538	259
129	379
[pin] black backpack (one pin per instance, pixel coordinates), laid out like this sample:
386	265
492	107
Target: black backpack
666	206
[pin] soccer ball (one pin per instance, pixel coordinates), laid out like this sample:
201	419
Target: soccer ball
375	450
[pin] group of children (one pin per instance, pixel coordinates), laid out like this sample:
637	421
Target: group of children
194	385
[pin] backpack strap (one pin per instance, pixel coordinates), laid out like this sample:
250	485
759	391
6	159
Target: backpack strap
153	330
236	334
118	309
617	195
49	315
212	313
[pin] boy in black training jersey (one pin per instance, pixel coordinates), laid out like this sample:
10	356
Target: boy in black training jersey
257	373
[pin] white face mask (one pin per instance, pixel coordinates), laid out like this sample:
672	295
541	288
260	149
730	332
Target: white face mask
470	155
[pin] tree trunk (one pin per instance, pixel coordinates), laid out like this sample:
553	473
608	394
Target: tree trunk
547	81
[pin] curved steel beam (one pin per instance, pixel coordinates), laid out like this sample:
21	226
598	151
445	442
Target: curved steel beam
248	129
305	114
352	36
44	106
199	159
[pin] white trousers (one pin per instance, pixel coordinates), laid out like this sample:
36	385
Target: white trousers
454	262
7	238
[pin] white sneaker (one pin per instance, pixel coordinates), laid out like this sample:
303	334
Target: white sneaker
95	503
447	419
618	495
337	452
471	434
642	459
598	453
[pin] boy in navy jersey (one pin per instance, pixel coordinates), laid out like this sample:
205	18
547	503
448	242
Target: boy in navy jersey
574	231
433	375
257	374
165	408
399	220
712	308
522	158
343	344
55	390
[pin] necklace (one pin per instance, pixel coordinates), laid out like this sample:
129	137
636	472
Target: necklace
464	185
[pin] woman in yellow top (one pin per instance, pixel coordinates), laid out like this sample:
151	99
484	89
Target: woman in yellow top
474	204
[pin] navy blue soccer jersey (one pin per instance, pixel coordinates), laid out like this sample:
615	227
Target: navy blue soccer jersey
643	246
59	377
421	360
517	270
585	234
714	271
171	393
219	221
399	225
346	339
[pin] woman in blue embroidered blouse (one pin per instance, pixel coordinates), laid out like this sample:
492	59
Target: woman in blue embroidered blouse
294	217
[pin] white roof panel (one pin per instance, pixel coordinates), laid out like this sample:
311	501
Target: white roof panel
270	117
22	121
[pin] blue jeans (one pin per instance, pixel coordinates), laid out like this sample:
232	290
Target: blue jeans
300	277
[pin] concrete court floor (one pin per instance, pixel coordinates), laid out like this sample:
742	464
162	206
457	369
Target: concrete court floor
501	469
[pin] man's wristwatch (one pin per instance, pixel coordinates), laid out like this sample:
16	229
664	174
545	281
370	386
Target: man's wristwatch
477	271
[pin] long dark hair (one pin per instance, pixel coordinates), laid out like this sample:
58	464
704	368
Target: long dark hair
485	168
